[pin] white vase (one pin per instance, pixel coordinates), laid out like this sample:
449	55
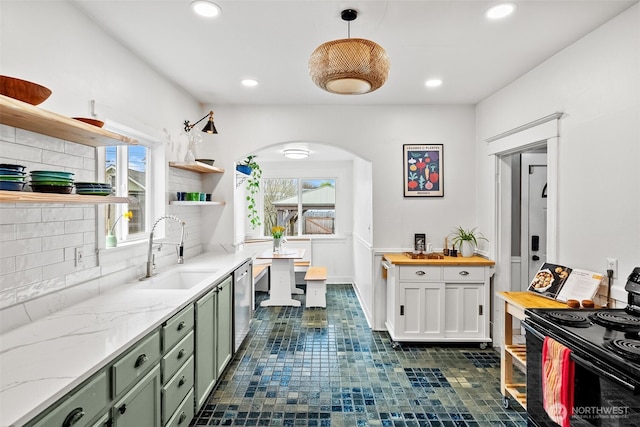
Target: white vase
467	248
276	244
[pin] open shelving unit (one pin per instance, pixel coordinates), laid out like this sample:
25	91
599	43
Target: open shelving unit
187	203
29	117
29	197
196	167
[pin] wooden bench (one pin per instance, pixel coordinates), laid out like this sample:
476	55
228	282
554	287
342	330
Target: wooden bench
261	271
316	280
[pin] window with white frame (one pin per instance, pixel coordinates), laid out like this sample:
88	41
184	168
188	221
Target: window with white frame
128	170
303	206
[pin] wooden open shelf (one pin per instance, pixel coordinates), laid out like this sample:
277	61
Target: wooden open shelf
29	197
29	117
196	167
187	203
518	351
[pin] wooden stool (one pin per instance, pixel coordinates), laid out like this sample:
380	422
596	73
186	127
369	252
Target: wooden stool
316	280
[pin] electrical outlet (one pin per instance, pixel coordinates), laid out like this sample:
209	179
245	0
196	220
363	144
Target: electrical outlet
79	258
612	264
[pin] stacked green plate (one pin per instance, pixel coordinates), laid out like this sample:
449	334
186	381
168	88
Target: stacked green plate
52	182
93	188
12	177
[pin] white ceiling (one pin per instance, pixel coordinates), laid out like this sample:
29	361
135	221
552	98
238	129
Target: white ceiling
271	41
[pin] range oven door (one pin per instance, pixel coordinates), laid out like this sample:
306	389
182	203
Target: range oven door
601	396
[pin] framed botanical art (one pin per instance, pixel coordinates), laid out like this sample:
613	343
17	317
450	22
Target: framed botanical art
422	172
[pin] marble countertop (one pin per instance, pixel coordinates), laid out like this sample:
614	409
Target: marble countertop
44	360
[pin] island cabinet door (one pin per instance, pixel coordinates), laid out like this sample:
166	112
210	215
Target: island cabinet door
421	310
465	311
206	372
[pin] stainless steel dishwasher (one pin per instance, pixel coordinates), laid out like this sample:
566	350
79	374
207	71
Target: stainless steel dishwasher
242	302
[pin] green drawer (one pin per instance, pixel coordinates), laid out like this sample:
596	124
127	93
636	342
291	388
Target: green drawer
177	327
176	357
131	367
177	388
84	405
184	414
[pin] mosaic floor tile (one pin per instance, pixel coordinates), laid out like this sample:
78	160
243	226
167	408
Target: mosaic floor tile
327	368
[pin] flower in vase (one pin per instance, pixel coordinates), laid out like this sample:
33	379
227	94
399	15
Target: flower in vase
127	216
277	231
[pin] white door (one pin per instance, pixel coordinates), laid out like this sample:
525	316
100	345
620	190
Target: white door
534	215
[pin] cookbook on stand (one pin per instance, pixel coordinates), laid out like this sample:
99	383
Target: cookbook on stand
563	283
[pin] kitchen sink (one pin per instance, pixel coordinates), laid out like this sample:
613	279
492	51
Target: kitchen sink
179	279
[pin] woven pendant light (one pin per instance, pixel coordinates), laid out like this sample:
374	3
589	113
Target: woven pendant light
349	66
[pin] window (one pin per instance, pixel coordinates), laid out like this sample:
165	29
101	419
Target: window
127	170
287	200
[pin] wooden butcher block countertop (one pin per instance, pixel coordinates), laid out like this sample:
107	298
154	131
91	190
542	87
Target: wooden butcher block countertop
529	300
402	259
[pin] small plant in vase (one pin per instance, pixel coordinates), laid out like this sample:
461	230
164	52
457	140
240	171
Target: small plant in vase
277	232
466	240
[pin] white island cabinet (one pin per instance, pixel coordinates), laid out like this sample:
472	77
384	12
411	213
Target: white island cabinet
438	300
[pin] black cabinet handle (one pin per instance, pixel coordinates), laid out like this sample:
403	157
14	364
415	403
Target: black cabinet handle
73	417
182	381
122	409
141	360
464	273
420	273
181	325
181	353
183	417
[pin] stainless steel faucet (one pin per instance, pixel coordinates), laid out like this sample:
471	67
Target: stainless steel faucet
179	246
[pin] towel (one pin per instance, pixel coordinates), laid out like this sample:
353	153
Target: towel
557	381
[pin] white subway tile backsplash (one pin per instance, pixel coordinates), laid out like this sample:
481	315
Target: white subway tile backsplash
79	150
7	133
32	139
24	231
63	161
39	288
21	247
20	278
58	269
8	265
62	214
20	215
20	152
24	262
7	232
56	242
79	226
7	298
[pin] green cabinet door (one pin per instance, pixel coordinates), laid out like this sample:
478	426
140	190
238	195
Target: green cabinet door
140	407
224	325
205	377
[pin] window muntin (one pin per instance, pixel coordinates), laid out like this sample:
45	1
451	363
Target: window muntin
285	198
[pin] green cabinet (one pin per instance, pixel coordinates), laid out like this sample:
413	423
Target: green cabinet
140	406
214	337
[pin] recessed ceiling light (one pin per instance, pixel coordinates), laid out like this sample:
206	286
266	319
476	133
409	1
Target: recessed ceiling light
296	153
500	11
206	8
433	83
249	82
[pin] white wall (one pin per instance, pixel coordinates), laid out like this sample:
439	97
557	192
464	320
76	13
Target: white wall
375	134
596	83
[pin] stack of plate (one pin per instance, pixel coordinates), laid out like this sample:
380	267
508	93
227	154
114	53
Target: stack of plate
93	188
12	177
52	182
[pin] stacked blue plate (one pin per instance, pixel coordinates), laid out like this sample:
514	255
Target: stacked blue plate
93	188
52	182
12	177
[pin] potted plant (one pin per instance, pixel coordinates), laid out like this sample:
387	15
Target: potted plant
252	168
466	240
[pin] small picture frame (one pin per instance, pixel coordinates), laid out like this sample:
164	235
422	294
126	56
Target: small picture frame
419	244
423	170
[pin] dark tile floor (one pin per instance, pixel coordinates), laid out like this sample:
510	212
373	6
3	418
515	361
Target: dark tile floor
325	367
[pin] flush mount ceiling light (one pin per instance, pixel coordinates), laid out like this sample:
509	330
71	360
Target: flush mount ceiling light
433	83
249	83
500	11
206	8
208	128
349	66
296	153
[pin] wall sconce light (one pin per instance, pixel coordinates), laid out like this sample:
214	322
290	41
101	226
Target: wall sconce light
208	128
296	153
